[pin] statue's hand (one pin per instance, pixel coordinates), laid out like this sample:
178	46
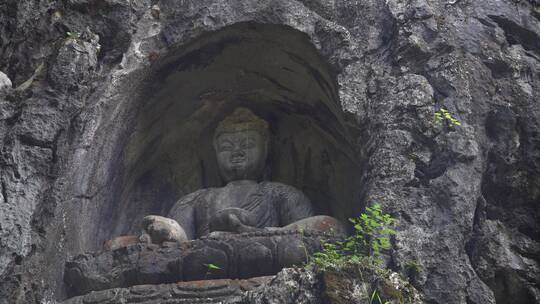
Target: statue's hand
233	220
159	229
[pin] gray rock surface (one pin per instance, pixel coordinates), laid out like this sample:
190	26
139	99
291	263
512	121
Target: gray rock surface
466	197
209	291
291	285
349	285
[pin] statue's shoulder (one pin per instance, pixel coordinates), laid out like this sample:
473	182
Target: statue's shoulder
277	187
193	197
188	202
291	199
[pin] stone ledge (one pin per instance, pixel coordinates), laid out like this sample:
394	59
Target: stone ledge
237	256
204	291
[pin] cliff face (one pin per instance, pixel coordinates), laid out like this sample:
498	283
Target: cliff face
466	196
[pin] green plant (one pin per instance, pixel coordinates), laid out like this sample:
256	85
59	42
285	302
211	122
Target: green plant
376	298
413	265
330	256
211	267
443	115
73	35
372	231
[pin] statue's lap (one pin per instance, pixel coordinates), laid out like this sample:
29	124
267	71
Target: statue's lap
233	256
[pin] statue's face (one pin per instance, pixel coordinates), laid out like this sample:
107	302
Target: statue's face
241	155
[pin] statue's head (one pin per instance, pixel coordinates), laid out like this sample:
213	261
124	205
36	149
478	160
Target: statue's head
241	144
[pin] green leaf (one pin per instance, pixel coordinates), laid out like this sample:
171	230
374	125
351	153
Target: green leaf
373	295
212	266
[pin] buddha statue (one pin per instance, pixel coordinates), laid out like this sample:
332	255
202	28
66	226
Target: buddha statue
247	228
241	143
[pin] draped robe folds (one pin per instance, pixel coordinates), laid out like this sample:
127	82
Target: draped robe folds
271	204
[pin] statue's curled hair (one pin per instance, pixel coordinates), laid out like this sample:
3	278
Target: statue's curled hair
242	119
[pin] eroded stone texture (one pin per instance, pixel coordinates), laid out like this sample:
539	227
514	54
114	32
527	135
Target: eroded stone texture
353	284
466	196
208	291
291	285
232	256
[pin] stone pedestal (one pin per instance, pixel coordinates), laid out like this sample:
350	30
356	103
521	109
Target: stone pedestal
227	256
206	291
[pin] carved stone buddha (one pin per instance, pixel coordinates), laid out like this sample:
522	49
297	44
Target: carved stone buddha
241	143
246	228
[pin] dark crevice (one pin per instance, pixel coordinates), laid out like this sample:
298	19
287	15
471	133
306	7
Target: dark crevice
535	11
44	214
84	196
200	58
507	291
472	244
13	119
516	34
479	213
323	84
4	192
289	70
499	68
28	140
54	146
436	167
486	22
509	201
271	80
530	255
441	88
18	259
196	59
405	216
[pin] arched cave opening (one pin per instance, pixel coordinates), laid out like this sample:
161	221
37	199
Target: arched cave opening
273	70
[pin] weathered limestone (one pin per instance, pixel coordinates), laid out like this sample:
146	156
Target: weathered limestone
243	255
465	197
208	291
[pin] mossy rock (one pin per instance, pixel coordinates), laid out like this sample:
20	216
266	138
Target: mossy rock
356	283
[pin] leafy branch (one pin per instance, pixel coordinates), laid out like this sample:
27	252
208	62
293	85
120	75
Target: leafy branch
372	231
73	35
443	115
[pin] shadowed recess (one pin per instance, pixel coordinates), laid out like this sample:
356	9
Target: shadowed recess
273	70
